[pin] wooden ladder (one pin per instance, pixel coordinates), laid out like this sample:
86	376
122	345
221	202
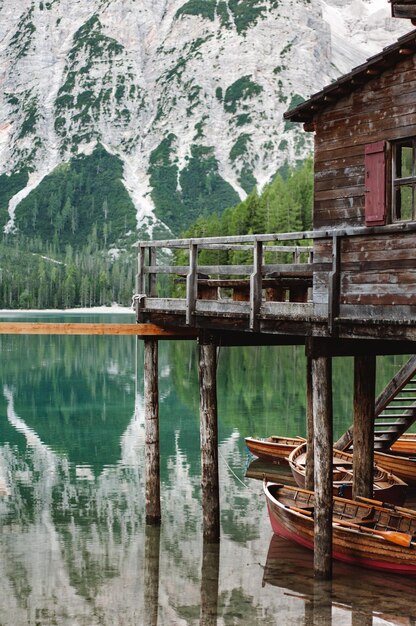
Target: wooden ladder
395	410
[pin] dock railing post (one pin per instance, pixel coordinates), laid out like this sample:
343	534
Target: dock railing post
363	429
151	411
256	285
334	284
140	282
192	285
209	440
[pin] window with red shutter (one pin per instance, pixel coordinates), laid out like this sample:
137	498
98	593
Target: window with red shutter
375	183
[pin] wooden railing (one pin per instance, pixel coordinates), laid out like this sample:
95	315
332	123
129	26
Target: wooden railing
275	268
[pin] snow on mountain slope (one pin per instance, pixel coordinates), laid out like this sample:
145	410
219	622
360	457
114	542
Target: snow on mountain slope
189	94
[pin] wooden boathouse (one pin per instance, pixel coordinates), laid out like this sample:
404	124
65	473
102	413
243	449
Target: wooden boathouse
345	288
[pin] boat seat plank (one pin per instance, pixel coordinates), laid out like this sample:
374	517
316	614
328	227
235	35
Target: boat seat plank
360	521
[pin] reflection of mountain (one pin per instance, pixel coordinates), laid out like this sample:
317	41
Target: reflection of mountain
76	545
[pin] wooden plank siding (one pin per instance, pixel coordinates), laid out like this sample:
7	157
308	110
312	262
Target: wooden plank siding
374	270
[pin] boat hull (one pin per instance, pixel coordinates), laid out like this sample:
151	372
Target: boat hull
401	466
273	449
349	545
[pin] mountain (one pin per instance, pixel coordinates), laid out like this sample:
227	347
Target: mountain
118	115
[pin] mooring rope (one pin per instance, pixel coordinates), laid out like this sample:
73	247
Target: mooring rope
231	470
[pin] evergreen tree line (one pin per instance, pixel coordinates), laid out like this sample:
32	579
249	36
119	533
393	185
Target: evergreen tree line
285	205
36	274
34	278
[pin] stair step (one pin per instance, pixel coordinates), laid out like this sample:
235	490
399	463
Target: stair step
408	390
399	407
396	424
385	432
393	415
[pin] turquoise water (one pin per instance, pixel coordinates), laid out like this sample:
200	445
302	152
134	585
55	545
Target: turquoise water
74	549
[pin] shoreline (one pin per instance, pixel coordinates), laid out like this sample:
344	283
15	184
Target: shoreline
119	310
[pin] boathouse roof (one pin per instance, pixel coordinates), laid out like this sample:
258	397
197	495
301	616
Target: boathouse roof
345	85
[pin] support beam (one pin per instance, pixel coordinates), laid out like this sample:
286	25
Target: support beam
322	425
151	412
209	441
364	403
309	482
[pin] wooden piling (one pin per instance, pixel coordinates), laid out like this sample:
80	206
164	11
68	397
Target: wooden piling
364	403
322	426
151	411
209	441
309	482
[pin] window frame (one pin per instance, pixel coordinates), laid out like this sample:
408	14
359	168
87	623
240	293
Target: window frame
399	182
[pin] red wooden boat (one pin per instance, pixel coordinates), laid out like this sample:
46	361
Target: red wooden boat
273	449
364	534
387	487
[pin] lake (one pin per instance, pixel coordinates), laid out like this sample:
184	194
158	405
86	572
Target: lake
74	548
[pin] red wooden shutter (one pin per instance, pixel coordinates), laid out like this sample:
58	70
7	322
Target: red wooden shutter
375	183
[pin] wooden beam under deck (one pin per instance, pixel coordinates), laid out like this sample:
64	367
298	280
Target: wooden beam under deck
68	328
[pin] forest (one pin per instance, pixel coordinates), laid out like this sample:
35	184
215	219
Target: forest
35	273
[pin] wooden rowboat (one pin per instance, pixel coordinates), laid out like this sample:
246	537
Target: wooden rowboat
368	535
274	449
403	467
387	487
406	444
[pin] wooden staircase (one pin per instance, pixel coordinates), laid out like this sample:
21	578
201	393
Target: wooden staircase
395	410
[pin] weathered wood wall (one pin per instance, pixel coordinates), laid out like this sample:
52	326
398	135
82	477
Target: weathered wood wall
374	270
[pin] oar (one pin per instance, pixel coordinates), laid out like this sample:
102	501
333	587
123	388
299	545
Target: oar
401	539
387	505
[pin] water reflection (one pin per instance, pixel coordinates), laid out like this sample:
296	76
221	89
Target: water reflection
368	596
209	583
74	548
151	574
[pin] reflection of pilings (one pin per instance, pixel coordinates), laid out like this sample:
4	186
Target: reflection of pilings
359	619
209	584
209	441
322	603
151	411
151	575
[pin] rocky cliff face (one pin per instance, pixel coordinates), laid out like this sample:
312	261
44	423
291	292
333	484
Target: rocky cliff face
188	94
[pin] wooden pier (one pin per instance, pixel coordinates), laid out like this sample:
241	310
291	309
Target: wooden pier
345	288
